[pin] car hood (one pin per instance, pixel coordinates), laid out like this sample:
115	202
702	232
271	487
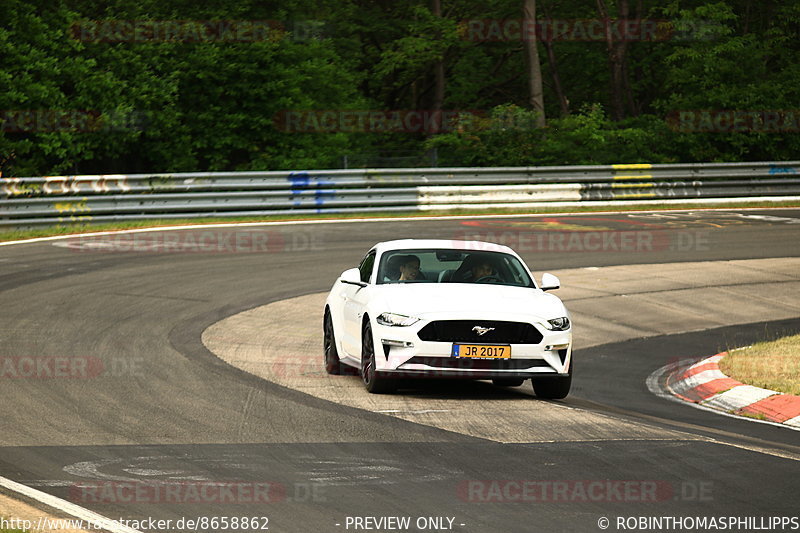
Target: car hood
430	300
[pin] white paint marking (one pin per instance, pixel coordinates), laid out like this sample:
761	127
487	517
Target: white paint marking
695	381
71	509
49	483
738	397
768	218
91	470
153	472
418	412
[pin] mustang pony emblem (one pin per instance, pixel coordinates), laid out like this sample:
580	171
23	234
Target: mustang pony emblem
480	330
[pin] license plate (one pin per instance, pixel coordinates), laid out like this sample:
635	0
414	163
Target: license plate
481	351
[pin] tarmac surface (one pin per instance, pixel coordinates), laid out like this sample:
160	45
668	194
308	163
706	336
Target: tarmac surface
125	394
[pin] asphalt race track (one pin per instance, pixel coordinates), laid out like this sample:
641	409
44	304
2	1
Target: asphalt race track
111	400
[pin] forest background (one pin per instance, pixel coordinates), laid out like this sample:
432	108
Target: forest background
127	86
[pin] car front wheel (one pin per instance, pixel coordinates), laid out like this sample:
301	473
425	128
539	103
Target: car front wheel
373	381
332	364
553	388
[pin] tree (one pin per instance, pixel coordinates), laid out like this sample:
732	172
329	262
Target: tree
621	96
536	94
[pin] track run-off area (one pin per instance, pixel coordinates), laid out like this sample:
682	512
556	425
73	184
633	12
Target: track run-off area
175	374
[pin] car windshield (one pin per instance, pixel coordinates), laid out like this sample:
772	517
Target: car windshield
452	266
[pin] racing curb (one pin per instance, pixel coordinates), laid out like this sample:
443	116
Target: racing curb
703	383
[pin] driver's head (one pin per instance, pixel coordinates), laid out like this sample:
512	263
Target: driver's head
481	269
409	268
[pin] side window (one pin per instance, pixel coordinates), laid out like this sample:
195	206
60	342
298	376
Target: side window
366	266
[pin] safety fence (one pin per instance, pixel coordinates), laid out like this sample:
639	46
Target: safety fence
60	200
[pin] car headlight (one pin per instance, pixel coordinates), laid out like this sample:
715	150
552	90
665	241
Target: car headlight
393	319
558	324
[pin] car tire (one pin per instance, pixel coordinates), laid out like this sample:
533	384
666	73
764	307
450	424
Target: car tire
507	382
374	382
553	388
332	363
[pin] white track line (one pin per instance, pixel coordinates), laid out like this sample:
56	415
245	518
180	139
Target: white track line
93	519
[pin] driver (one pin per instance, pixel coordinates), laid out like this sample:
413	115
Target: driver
409	269
481	269
474	268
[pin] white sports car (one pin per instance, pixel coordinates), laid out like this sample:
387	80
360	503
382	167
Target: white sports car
441	308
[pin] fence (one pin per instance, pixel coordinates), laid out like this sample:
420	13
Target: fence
55	200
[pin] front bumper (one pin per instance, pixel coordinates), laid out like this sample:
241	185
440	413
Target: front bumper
401	353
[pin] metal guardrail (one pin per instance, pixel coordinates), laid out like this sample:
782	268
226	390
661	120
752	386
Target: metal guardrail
55	200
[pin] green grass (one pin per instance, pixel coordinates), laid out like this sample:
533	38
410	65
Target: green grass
755	416
773	365
12	235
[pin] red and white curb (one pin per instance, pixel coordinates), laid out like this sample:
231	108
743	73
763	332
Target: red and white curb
704	385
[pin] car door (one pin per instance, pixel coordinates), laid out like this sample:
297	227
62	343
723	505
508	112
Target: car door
355	301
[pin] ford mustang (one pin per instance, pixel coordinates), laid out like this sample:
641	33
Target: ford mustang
441	308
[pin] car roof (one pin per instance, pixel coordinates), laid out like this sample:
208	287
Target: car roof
477	246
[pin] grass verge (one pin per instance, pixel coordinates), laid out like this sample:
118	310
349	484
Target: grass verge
69	229
773	365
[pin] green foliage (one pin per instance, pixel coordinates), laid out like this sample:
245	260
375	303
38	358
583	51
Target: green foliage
728	66
164	105
171	105
508	138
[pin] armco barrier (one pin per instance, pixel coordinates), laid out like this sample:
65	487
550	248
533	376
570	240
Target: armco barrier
54	200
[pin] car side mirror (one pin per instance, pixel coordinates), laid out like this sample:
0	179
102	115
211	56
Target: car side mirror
549	282
352	276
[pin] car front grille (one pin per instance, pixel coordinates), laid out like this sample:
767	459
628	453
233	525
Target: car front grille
462	363
467	331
